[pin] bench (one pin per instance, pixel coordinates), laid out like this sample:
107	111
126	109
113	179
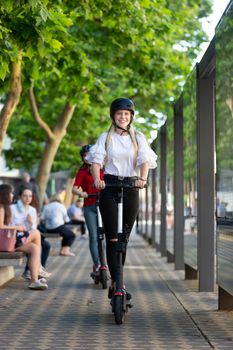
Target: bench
55	239
51	235
7	262
75	228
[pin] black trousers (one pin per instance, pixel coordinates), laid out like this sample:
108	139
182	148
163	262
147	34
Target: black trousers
68	236
45	249
109	198
79	223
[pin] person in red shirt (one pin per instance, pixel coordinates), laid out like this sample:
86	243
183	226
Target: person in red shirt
83	186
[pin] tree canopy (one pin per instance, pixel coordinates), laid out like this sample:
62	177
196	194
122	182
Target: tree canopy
86	53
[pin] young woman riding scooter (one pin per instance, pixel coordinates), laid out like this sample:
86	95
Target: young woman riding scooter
126	157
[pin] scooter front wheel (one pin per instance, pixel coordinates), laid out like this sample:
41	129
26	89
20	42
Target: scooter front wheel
119	313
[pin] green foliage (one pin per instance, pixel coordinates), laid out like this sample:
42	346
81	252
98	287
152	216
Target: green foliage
90	52
31	26
170	144
189	129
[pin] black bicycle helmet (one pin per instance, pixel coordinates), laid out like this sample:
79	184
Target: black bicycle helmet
85	149
121	103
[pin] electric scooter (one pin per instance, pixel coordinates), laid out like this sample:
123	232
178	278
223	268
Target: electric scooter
118	295
101	276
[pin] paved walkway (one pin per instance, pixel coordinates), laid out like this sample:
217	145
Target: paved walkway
74	313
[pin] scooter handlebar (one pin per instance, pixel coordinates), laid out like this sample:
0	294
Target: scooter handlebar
117	185
123	185
91	195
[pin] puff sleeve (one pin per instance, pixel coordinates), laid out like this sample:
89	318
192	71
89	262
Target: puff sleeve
97	152
145	153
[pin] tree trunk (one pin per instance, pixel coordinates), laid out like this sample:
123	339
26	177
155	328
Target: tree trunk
12	99
69	195
51	148
45	166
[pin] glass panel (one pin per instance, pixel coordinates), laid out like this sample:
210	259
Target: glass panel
190	171
224	150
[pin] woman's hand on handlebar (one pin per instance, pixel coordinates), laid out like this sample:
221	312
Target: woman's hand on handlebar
140	183
84	195
99	184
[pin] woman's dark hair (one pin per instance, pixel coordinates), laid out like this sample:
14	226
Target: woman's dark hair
84	149
23	188
5	201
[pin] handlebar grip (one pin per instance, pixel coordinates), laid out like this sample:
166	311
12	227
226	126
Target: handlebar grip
90	195
122	185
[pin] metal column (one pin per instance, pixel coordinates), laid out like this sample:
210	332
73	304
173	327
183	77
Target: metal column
206	185
163	152
146	216
178	187
153	202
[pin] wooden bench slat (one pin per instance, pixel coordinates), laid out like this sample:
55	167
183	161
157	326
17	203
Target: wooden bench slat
11	255
11	262
11	258
51	235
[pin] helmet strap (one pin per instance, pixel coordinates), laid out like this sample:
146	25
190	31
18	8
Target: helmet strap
119	127
123	130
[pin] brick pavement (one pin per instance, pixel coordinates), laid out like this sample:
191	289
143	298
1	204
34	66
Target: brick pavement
74	313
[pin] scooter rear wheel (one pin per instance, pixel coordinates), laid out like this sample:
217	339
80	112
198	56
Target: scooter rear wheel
119	313
104	279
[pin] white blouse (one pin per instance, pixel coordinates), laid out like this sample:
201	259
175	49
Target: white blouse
19	217
120	159
54	214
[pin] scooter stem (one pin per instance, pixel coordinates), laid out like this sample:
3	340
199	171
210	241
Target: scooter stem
120	213
100	223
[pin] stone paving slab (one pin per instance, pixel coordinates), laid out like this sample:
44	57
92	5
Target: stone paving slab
74	313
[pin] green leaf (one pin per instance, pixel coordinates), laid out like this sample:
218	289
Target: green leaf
44	14
4	69
56	44
41	48
30	52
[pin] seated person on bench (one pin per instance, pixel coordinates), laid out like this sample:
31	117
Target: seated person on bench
24	214
54	217
28	242
76	215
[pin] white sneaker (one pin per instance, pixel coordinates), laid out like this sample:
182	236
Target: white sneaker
43	273
38	285
43	280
